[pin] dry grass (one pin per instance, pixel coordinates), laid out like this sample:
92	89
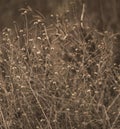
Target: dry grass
55	77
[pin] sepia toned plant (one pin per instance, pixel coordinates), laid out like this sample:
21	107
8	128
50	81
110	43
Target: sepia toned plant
58	74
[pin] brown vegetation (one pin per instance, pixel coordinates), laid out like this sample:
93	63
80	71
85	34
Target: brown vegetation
56	75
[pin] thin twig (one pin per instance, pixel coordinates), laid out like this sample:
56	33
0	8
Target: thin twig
3	118
82	16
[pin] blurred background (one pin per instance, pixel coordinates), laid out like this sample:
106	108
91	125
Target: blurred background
104	14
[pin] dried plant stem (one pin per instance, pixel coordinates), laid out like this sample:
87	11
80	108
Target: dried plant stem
82	16
3	118
39	105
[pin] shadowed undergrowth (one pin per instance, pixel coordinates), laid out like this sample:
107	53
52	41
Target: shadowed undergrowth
55	77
